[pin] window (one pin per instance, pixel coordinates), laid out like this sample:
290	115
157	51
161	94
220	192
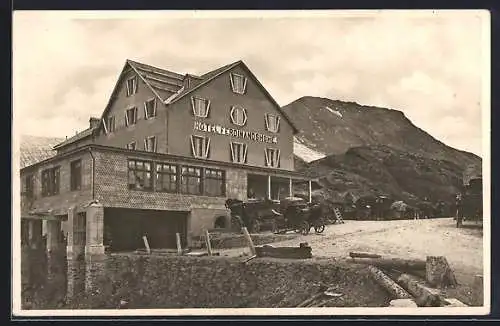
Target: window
132	145
200	146
200	106
50	182
131	116
139	175
150	108
272	122
29	185
166	177
238	152
238	83
131	86
214	183
109	125
76	175
238	116
272	157
191	180
150	144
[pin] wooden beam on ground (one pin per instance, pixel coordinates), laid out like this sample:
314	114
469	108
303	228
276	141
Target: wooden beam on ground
394	263
396	291
353	254
424	296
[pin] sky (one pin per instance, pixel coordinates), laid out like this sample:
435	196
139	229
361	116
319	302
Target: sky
430	65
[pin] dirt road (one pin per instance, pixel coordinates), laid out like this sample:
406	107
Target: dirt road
463	247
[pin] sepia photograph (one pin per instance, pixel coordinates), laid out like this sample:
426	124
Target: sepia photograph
198	162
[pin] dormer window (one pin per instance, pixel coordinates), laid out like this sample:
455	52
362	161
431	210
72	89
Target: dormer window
150	109
200	146
150	144
131	86
200	106
238	83
132	146
272	157
238	115
238	152
272	122
131	116
109	124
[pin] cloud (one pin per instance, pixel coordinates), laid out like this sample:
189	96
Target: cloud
427	65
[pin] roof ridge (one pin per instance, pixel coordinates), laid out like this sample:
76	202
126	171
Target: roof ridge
179	75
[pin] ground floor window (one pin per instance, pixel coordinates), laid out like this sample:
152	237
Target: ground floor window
214	184
191	180
139	175
166	177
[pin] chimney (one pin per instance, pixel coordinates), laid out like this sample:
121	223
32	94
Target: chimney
94	122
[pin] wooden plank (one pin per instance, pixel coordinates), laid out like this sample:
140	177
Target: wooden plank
178	242
146	244
207	242
394	263
354	254
249	241
396	291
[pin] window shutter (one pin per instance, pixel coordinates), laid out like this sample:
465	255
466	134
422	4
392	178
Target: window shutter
105	126
277	158
232	81
245	150
128	87
135	84
231	146
192	146
277	123
154	107
146	144
207	147
126	118
207	109
245	84
155	144
266	156
266	118
193	105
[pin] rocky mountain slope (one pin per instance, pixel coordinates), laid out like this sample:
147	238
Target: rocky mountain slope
365	150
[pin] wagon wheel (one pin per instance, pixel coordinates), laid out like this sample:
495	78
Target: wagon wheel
255	226
236	223
319	228
274	228
305	227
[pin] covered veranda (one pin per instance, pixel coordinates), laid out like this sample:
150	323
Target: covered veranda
277	186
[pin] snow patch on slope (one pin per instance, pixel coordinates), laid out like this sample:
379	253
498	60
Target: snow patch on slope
305	153
334	111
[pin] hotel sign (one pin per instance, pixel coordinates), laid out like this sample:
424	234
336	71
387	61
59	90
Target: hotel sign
231	132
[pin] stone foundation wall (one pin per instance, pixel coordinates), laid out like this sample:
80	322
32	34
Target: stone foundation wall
131	281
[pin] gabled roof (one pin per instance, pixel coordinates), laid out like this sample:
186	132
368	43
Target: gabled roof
79	136
169	87
35	149
208	77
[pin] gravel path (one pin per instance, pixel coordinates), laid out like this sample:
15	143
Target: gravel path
463	247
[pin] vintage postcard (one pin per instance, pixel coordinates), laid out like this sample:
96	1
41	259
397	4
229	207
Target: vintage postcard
251	163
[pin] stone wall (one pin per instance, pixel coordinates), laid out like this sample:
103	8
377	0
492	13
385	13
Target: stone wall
131	281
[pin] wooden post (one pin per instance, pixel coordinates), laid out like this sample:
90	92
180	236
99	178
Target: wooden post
178	241
207	241
310	191
439	272
290	187
478	290
249	241
269	187
146	244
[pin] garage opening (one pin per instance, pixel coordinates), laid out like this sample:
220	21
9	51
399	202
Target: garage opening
124	228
